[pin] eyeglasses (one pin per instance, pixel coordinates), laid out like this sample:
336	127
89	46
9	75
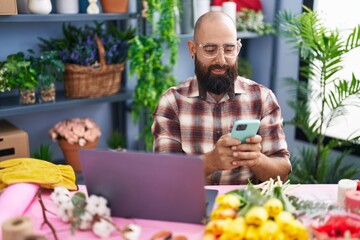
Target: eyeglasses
210	50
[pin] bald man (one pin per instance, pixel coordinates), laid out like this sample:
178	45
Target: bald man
197	116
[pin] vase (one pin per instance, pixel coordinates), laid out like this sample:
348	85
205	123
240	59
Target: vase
186	17
22	6
71	152
67	6
115	6
47	93
39	6
27	96
83	4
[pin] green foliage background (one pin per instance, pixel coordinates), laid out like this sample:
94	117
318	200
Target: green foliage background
322	50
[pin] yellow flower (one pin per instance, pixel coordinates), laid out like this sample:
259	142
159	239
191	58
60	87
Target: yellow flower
256	216
209	236
236	228
269	230
220	213
216	227
228	201
273	206
284	219
296	230
252	233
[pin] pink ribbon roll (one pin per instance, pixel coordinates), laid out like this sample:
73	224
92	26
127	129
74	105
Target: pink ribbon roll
15	199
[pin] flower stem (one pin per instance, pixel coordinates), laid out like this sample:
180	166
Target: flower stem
46	221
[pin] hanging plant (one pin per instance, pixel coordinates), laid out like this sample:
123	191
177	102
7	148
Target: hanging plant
146	53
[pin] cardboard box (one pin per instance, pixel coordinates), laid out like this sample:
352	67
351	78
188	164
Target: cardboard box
14	142
8	7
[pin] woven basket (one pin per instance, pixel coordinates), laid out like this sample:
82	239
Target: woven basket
93	81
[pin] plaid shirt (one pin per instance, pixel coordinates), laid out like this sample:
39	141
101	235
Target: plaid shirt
186	123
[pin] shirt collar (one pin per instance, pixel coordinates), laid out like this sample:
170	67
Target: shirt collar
194	88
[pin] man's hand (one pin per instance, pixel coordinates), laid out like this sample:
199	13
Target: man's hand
248	153
230	153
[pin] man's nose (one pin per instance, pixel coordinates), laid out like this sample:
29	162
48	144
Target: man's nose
220	57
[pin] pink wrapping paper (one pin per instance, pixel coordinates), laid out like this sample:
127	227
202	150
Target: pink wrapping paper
15	199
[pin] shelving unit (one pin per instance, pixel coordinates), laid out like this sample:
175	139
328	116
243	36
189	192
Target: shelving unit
20	32
9	106
21	18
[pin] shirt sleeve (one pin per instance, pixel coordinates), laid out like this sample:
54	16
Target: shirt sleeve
166	128
271	130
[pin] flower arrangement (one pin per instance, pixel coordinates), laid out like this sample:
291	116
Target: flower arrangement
76	131
89	213
253	214
79	45
251	20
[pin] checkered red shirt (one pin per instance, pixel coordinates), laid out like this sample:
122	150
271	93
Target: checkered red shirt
185	123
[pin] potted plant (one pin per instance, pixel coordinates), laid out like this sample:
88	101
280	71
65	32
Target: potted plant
147	62
43	152
21	75
49	69
94	55
322	51
116	141
73	134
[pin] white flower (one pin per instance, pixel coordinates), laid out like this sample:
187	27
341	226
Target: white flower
60	195
65	211
86	221
132	232
97	206
103	228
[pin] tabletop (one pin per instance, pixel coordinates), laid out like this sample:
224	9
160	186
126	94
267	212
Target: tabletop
21	200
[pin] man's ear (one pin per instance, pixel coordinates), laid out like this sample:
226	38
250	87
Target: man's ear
192	48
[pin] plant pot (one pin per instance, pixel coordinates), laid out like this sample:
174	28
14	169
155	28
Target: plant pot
115	6
27	96
47	94
71	153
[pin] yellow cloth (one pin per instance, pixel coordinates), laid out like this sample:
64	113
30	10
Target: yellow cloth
46	174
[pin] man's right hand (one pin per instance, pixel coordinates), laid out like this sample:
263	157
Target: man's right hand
221	157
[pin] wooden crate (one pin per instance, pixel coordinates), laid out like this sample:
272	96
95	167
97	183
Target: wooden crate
8	7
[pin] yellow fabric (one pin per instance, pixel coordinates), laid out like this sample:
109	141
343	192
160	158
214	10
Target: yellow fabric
46	174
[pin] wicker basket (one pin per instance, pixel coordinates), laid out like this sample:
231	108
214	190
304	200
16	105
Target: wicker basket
93	81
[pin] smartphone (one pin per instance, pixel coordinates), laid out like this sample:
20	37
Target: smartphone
243	129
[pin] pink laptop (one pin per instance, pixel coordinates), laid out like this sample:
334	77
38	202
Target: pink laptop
146	185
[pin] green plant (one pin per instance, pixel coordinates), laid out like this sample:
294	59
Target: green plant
4	84
322	50
19	72
116	140
253	21
154	73
43	152
244	67
49	67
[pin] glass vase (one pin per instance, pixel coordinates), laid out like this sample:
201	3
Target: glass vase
27	96
47	93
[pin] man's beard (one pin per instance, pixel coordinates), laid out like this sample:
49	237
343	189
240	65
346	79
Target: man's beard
215	83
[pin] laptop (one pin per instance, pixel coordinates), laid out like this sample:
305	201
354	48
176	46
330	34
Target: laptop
167	187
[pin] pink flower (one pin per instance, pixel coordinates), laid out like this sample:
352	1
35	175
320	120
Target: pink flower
76	131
